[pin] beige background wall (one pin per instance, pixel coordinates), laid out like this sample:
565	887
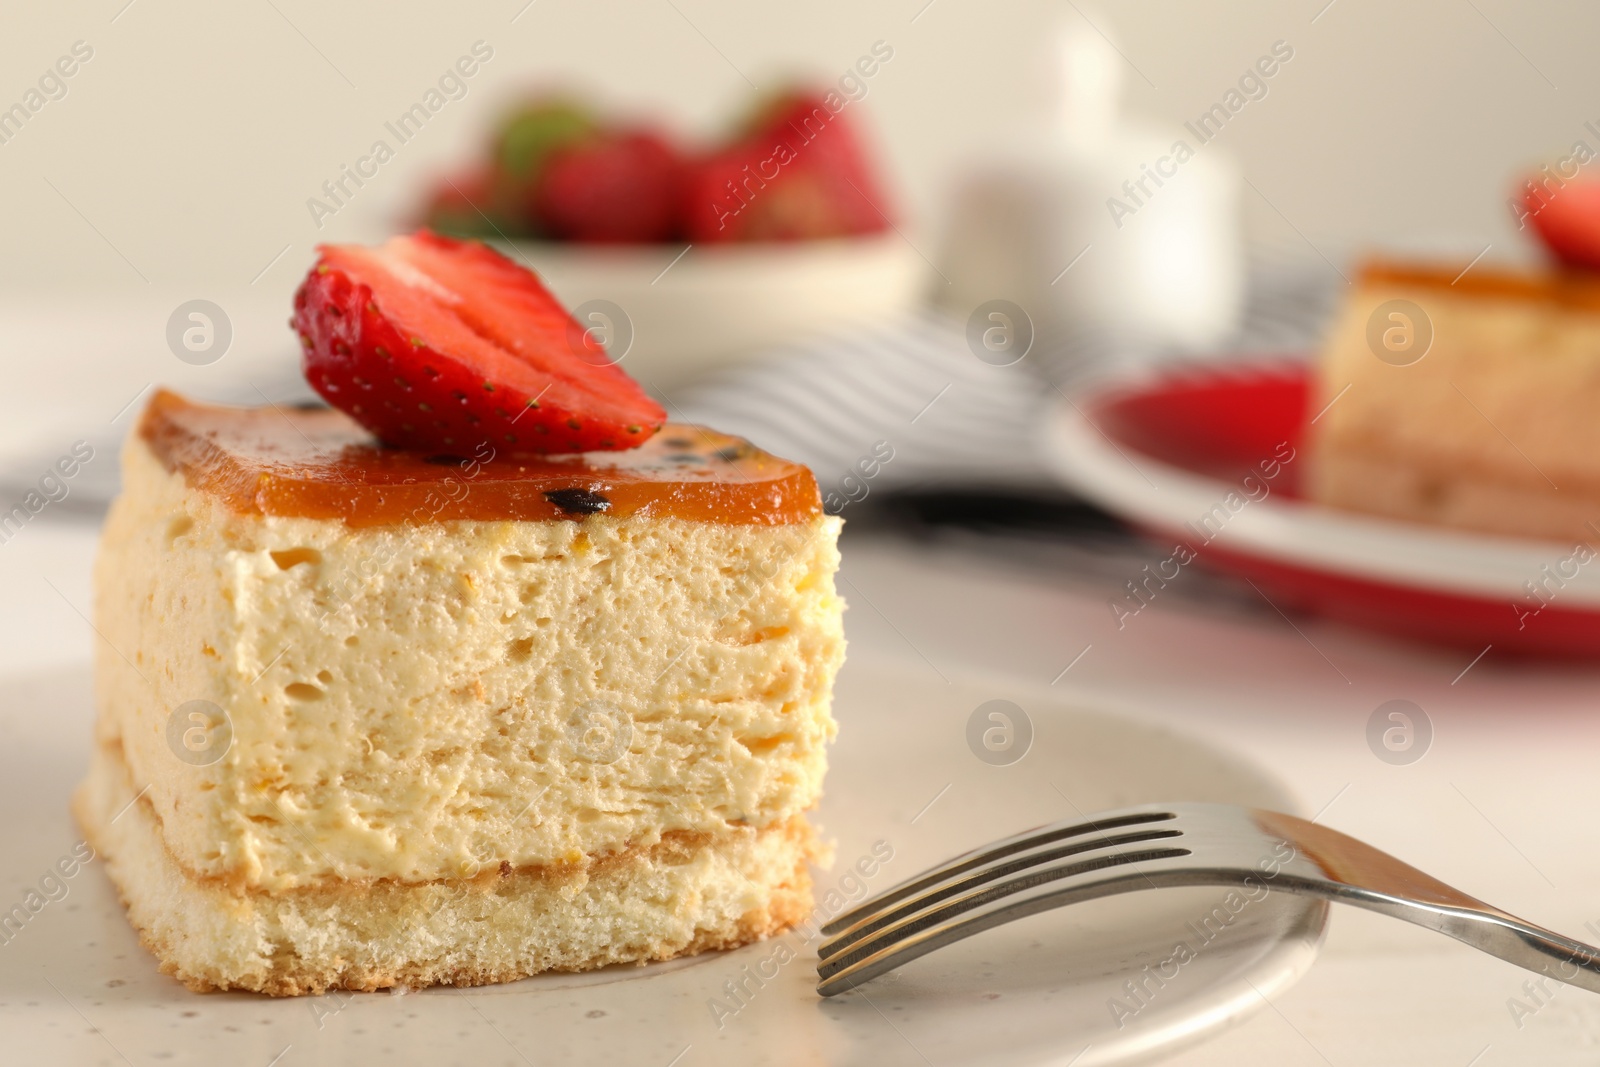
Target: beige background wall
193	137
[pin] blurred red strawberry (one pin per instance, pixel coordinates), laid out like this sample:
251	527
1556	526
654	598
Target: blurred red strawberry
798	173
1567	219
620	186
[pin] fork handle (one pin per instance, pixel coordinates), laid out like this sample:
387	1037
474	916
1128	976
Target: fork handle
1349	871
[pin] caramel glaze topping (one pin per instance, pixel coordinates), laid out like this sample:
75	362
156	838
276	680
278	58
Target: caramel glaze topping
1569	289
320	464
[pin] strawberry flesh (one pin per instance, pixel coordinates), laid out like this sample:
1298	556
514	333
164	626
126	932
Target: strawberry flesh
444	346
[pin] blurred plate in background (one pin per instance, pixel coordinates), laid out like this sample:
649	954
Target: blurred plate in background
1165	451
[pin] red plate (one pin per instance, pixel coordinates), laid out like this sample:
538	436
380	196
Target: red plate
1165	453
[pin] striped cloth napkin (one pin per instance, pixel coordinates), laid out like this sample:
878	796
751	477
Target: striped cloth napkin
900	404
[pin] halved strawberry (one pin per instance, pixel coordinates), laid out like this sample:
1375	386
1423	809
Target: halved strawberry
443	345
1568	220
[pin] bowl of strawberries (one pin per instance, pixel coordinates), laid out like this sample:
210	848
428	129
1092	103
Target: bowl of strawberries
687	258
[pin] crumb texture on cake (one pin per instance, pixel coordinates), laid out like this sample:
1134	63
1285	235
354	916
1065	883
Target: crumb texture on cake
1493	429
412	702
680	896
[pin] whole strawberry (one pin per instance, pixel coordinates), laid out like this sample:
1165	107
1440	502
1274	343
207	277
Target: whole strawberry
620	186
1567	218
798	173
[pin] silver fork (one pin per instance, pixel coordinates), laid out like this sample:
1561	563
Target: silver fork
1163	846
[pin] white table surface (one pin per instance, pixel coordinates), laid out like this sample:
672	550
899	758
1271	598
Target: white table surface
1502	805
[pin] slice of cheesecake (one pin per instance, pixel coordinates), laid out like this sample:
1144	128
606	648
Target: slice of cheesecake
1463	399
371	717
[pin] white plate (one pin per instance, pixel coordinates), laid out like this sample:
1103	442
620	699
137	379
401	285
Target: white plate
717	305
76	987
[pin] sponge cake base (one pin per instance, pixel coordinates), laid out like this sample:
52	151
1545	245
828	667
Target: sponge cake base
688	893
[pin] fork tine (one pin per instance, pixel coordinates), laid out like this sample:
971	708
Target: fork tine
919	934
974	876
978	857
911	922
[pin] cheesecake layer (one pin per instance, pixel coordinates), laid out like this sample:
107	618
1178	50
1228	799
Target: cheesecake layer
410	701
1493	429
685	894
